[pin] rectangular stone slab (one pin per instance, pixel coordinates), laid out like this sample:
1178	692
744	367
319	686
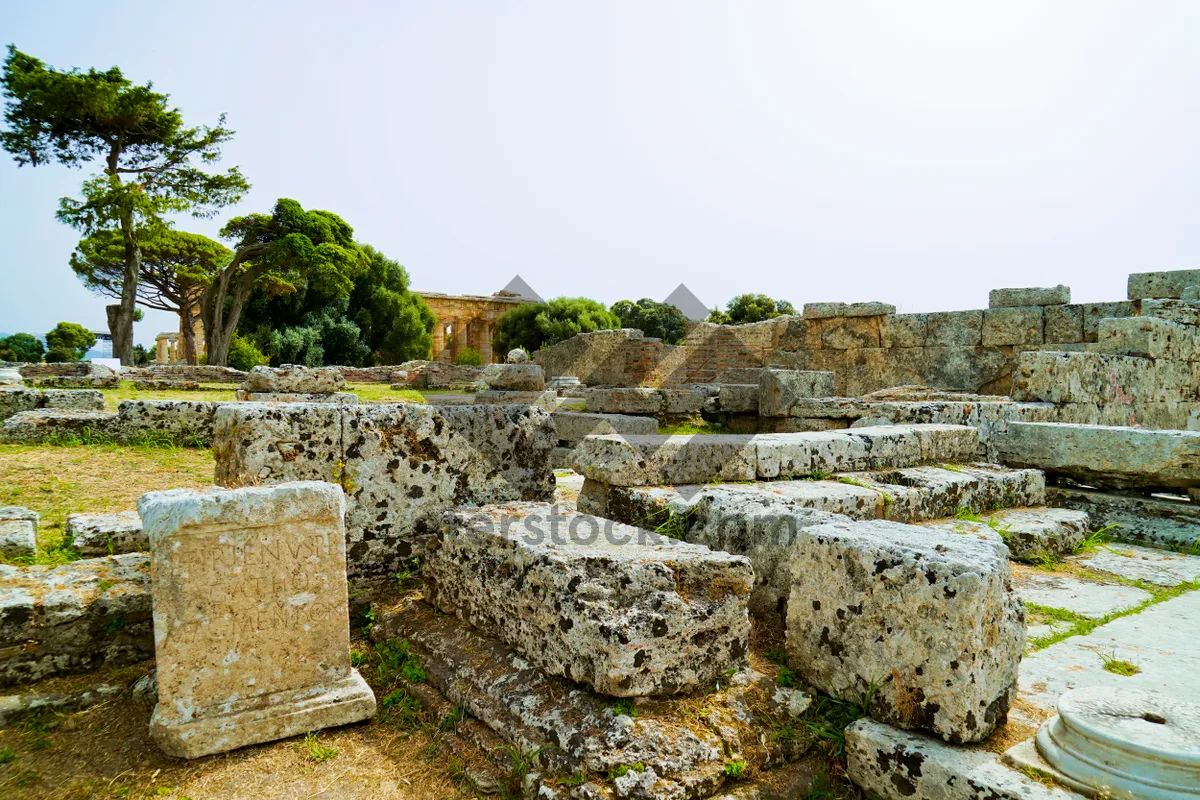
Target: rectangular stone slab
1039	296
779	389
1103	456
105	534
1143	285
572	426
625	611
251	619
1148	520
675	460
927	617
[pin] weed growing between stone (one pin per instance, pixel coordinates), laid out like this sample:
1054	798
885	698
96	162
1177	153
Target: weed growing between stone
1116	666
1081	626
315	751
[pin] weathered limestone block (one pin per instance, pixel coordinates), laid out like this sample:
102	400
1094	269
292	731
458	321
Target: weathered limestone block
1144	285
274	443
1103	456
624	401
1191	293
515	377
675	460
75	617
1147	520
516	356
1149	337
621	609
161	385
687	401
101	381
73	399
18	531
830	310
736	398
106	534
15	400
1063	324
1019	325
1100	378
927	617
251	620
954	328
923	493
1007	298
546	400
740	375
1182	312
292	378
572	426
847	333
1031	534
905	330
779	389
340	398
892	764
49	423
976	369
1093	313
188	421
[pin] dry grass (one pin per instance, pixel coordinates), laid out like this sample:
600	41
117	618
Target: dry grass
225	392
57	481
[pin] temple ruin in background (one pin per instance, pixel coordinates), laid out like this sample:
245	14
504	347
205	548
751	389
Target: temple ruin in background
469	320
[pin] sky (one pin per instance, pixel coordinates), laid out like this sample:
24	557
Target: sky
918	153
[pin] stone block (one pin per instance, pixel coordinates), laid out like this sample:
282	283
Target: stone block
625	401
262	443
251	617
927	617
182	421
1094	312
623	610
779	389
954	328
546	400
1143	285
572	426
1063	324
15	400
18	532
972	369
44	424
1182	312
905	330
1103	456
1148	520
1019	325
73	399
831	310
646	460
847	333
1049	296
687	401
1191	293
515	377
1149	337
1030	533
294	379
736	398
106	534
339	398
740	375
99	381
1099	378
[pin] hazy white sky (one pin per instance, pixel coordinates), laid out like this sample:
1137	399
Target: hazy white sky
918	153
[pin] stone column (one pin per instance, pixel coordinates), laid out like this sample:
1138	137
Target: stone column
485	340
460	336
439	340
161	353
251	625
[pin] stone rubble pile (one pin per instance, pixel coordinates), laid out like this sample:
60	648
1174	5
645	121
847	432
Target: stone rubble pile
292	383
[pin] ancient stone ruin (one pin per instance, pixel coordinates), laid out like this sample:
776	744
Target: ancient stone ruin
953	554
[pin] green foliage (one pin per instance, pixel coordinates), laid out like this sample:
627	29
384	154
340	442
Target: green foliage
244	355
624	706
395	660
21	347
69	341
521	763
153	165
654	319
468	357
315	751
828	717
1118	667
537	325
786	678
357	658
746	308
735	769
379	321
142	356
402	709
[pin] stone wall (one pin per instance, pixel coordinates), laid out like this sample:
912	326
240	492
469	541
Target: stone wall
866	345
201	373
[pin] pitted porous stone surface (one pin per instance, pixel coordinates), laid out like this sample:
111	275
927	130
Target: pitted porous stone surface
515	377
179	420
1143	285
1183	312
1104	456
291	378
547	400
893	764
18	531
1031	534
831	310
106	534
401	464
928	617
579	730
780	389
675	460
74	399
1049	296
1149	337
572	426
28	427
76	617
340	398
15	400
623	610
251	621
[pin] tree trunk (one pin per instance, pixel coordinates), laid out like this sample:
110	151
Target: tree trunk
187	335
121	323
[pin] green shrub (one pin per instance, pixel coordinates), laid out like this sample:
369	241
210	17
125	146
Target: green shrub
537	325
468	357
244	355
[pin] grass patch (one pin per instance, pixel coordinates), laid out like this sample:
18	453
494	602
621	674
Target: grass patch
395	661
852	481
735	769
402	710
1118	667
692	428
315	751
57	481
669	522
1081	626
624	706
965	514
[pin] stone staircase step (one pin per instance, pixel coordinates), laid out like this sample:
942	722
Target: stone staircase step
1031	534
